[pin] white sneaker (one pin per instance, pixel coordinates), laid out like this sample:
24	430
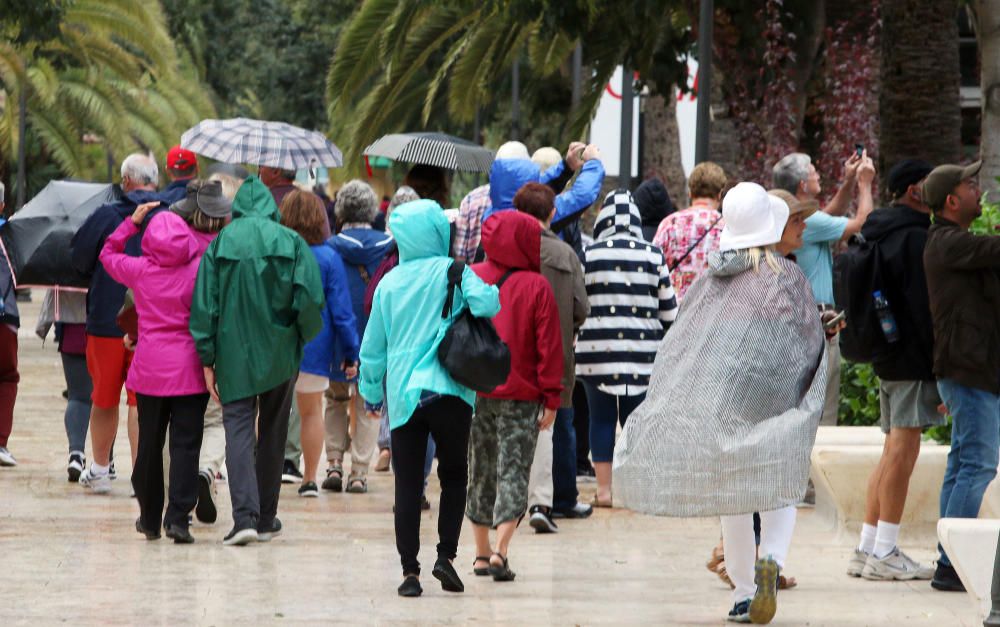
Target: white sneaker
857	563
896	566
6	459
100	484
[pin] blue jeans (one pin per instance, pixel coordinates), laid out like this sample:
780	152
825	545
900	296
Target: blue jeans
79	388
564	492
605	410
975	442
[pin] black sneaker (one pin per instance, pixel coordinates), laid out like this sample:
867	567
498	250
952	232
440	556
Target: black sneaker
410	587
740	612
946	579
150	535
290	472
309	489
585	472
205	509
273	531
180	535
77	462
445	573
240	536
580	510
541	520
111	470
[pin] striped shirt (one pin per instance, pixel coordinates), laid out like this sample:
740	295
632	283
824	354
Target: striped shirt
632	302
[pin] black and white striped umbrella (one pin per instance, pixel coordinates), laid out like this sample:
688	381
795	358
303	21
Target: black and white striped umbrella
437	149
259	142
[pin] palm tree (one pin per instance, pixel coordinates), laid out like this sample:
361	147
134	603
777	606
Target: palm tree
398	63
112	72
988	32
919	101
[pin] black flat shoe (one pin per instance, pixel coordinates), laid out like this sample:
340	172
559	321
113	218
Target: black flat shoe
502	572
410	587
445	573
481	572
946	579
150	535
180	535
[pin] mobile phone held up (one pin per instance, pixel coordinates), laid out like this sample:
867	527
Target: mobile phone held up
831	321
859	149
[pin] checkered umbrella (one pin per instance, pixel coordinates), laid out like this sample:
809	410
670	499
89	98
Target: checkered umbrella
437	149
258	142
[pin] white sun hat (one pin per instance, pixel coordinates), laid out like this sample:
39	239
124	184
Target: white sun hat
753	218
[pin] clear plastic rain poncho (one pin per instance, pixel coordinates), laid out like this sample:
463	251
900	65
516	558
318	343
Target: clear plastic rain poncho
737	390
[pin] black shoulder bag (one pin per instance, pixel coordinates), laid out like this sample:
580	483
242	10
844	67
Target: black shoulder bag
471	350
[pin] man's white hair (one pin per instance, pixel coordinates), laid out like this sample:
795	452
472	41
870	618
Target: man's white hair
140	169
790	171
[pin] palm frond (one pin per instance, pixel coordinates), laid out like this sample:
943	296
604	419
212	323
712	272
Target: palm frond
61	140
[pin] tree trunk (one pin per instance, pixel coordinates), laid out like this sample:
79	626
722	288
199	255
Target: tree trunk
919	103
661	147
988	34
22	146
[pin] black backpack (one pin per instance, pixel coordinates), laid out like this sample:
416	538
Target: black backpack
471	350
857	275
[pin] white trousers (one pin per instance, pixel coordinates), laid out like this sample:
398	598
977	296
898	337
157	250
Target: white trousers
540	488
740	546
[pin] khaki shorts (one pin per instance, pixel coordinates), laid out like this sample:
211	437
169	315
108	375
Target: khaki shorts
311	383
909	405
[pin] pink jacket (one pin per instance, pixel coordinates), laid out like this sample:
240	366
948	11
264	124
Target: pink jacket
162	280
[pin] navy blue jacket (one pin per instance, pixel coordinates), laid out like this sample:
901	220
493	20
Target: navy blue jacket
175	192
360	248
106	296
338	340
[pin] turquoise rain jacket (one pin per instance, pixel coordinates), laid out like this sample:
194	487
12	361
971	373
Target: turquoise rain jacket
401	340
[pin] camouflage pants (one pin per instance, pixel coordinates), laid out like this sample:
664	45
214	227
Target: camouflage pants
501	449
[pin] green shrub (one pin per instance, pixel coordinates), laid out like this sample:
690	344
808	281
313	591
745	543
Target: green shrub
859	404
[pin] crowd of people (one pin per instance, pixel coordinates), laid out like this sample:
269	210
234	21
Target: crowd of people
260	325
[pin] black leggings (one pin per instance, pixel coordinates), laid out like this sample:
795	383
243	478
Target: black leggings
185	417
448	419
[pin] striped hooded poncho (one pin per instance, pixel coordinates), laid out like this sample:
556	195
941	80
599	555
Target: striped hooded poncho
631	301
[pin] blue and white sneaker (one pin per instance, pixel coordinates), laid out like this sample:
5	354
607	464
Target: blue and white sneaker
100	484
765	601
6	459
740	612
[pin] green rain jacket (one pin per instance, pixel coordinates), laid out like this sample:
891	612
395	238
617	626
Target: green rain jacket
257	300
405	328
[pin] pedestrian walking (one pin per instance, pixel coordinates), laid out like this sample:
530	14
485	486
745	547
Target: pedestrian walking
749	343
632	304
165	372
399	351
9	376
335	348
362	248
257	302
507	420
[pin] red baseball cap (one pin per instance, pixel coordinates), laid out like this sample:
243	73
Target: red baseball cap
180	159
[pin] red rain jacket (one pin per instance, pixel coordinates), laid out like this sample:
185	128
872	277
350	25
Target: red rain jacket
529	317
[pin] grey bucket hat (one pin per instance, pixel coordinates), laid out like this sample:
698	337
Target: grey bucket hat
204	195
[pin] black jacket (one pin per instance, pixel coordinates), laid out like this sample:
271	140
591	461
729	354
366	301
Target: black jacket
653	201
106	296
963	280
901	234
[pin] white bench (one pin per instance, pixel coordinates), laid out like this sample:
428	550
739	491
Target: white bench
840	473
971	545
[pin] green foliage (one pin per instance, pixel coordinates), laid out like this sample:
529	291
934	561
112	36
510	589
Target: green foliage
859	404
31	20
989	222
411	65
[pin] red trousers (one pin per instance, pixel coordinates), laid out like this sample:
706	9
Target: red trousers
9	379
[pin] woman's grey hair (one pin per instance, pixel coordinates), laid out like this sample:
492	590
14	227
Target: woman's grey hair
356	202
2	191
402	196
141	169
790	171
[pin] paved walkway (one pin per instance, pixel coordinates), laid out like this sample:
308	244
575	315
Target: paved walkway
72	556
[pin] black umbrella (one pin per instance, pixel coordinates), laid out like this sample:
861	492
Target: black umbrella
444	151
37	239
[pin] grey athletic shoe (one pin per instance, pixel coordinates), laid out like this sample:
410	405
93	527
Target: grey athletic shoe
857	563
896	566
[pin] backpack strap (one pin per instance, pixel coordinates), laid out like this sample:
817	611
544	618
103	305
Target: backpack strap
364	274
506	276
455	272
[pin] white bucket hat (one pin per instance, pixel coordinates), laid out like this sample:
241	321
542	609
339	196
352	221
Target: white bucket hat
753	218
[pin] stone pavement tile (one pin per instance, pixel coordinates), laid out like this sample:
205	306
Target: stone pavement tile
73	556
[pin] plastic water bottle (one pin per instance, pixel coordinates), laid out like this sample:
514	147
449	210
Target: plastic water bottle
885	318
